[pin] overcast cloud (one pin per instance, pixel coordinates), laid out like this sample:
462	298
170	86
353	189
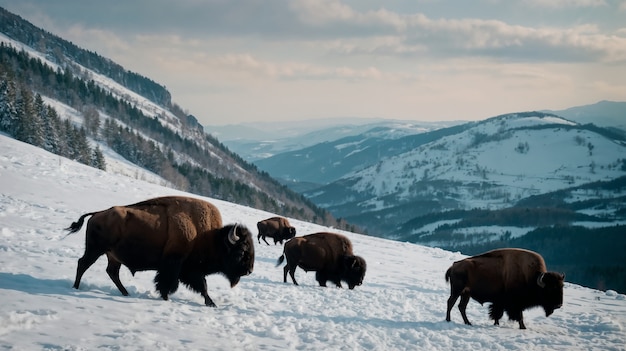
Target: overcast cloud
249	60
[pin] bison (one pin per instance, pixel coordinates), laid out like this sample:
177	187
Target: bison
181	238
277	228
513	280
329	254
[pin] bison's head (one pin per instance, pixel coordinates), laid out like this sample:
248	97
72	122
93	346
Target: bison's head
238	257
288	232
551	285
354	270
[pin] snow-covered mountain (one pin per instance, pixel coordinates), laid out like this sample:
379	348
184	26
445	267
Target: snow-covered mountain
491	164
401	305
259	142
603	114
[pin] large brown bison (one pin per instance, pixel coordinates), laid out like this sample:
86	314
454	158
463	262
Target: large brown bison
181	238
277	228
511	279
329	254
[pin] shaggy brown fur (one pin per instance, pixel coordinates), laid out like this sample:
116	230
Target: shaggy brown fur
512	279
277	228
328	254
181	238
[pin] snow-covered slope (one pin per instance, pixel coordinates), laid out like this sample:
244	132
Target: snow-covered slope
491	164
147	107
505	153
401	305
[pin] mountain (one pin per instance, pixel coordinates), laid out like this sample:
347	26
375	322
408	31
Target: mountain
329	161
261	141
603	114
491	164
400	306
50	84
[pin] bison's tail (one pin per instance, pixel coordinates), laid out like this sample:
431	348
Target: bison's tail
448	274
280	260
74	227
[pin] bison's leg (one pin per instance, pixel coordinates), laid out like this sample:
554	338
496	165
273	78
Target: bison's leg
113	270
495	312
521	321
517	315
89	258
321	278
196	282
260	236
265	240
451	301
465	296
166	279
292	272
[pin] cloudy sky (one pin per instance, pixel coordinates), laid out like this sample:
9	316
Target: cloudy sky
251	60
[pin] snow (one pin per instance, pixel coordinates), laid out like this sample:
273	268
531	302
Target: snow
401	305
556	158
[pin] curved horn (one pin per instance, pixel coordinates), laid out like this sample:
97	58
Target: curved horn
232	235
540	281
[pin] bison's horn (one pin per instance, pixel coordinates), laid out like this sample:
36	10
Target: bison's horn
540	281
232	235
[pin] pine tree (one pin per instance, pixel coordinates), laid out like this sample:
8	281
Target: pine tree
24	120
8	113
83	150
67	146
36	129
92	120
97	159
52	126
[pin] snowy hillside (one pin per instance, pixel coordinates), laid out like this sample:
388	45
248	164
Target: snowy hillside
149	108
491	164
130	115
506	153
401	305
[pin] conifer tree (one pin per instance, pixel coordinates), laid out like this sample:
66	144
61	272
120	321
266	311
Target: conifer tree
36	129
52	124
83	150
97	159
8	113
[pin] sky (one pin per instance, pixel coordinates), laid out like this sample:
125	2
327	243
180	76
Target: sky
243	61
400	306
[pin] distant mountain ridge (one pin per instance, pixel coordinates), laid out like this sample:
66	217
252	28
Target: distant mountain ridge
258	141
329	161
381	183
603	114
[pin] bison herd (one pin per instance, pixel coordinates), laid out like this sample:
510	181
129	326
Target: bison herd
183	240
